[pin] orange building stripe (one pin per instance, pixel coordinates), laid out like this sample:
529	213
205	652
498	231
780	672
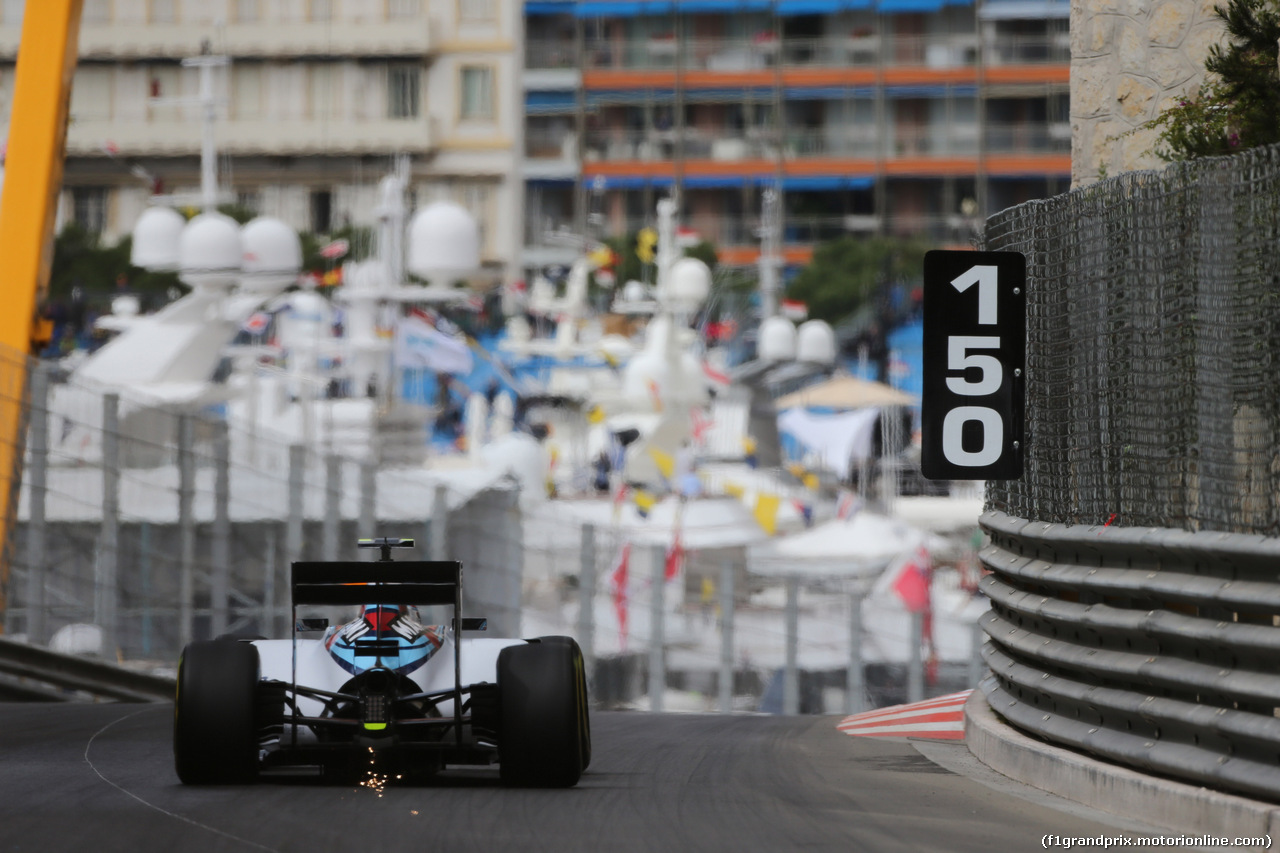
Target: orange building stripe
743	256
918	76
733	167
719	79
1027	74
931	166
828	77
628	79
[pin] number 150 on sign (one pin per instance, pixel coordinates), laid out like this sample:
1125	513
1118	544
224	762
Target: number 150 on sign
974	352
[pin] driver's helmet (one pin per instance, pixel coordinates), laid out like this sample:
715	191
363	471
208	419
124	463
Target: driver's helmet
381	617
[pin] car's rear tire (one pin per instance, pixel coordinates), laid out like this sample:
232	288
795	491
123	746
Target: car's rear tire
584	725
215	731
542	715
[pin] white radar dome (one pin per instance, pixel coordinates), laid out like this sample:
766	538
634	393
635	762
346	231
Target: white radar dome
271	255
634	291
777	340
209	253
444	242
816	342
156	236
689	283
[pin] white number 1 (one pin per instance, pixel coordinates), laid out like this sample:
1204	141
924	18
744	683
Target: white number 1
985	277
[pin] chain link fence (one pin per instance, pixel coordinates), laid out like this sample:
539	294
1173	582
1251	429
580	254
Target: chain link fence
138	527
1153	348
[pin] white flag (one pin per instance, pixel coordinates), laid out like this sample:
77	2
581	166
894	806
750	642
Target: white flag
420	345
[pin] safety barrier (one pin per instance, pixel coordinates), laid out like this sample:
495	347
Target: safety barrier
1150	647
40	674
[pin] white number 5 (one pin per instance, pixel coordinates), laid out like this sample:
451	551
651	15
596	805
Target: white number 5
959	358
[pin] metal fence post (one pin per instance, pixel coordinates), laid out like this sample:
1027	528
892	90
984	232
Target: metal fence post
587	598
657	662
368	501
439	543
106	566
220	550
332	507
438	538
186	529
511	552
725	685
37	474
293	524
269	583
915	661
791	675
855	688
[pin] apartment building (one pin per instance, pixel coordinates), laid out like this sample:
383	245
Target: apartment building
897	117
317	99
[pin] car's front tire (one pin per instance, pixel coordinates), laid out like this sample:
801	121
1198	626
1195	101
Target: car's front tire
543	739
215	732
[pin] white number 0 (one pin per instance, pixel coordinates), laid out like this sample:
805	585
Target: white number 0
992	436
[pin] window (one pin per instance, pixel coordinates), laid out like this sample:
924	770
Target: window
477	92
163	12
323	91
13	12
247	11
321	211
477	10
89	208
96	12
250	200
91	93
399	10
246	91
163	83
403	83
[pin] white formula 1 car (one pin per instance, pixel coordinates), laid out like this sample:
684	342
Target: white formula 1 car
419	696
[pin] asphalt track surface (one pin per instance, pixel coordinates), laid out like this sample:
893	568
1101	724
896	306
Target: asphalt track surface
99	778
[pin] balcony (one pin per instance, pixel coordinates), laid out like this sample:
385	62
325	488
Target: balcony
175	136
730	55
1028	138
694	143
124	41
832	51
550	154
549	54
851	141
854	50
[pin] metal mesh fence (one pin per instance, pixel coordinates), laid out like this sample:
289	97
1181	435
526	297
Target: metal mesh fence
154	528
1153	341
139	528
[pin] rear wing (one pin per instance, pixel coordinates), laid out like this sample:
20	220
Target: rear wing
403	582
385	582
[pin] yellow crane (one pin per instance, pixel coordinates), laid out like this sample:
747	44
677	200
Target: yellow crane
32	178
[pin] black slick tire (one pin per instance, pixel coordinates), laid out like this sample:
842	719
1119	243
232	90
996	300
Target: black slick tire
584	723
215	732
542	713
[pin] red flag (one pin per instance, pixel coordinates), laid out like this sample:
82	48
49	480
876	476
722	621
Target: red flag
675	558
912	582
618	580
701	423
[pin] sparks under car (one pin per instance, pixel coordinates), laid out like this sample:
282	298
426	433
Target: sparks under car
422	697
